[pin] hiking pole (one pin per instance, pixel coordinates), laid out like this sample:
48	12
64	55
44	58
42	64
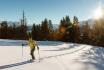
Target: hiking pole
38	52
22	49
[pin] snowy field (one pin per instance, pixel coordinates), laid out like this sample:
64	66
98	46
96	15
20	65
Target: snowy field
53	56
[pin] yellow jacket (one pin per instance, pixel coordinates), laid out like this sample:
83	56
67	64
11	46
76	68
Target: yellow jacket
32	43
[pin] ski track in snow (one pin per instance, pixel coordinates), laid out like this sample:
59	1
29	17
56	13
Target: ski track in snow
53	56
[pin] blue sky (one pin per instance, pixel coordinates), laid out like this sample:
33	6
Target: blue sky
38	10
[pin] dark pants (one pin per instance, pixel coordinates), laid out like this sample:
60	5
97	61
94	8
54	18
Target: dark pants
32	53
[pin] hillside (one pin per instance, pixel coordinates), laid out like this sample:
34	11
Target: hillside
53	56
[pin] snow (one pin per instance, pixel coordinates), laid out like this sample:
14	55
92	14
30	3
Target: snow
53	56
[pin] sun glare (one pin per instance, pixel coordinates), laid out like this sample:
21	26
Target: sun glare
98	13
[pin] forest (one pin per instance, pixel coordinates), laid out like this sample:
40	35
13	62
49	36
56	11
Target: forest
67	31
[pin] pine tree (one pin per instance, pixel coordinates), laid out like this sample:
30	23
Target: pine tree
4	30
65	23
85	33
50	25
45	29
76	30
34	33
23	27
98	31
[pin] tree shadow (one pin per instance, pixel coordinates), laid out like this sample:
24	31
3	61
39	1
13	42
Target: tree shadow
63	53
15	64
65	48
95	57
20	42
50	43
12	42
96	65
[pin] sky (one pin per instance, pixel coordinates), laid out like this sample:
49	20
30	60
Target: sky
37	10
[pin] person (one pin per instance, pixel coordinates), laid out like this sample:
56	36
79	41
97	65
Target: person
32	44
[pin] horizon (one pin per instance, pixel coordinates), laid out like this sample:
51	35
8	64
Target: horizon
37	10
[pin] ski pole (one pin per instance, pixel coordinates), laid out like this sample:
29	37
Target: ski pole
38	52
22	49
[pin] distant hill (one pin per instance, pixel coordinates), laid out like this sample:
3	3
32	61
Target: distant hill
90	22
55	26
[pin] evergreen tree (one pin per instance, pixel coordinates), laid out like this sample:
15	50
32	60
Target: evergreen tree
50	25
45	29
85	33
98	31
3	30
65	23
23	28
34	32
76	30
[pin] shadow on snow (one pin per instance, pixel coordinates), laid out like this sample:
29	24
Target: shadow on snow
28	61
20	42
64	53
15	64
63	48
95	57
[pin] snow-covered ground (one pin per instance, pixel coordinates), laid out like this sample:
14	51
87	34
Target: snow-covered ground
53	56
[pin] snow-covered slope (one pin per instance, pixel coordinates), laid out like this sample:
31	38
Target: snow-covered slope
53	56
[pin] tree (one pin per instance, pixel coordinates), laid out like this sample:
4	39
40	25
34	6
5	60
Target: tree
34	32
98	31
76	30
65	23
85	33
51	31
22	29
45	29
3	30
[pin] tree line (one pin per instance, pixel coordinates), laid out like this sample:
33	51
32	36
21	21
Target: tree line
67	31
12	32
